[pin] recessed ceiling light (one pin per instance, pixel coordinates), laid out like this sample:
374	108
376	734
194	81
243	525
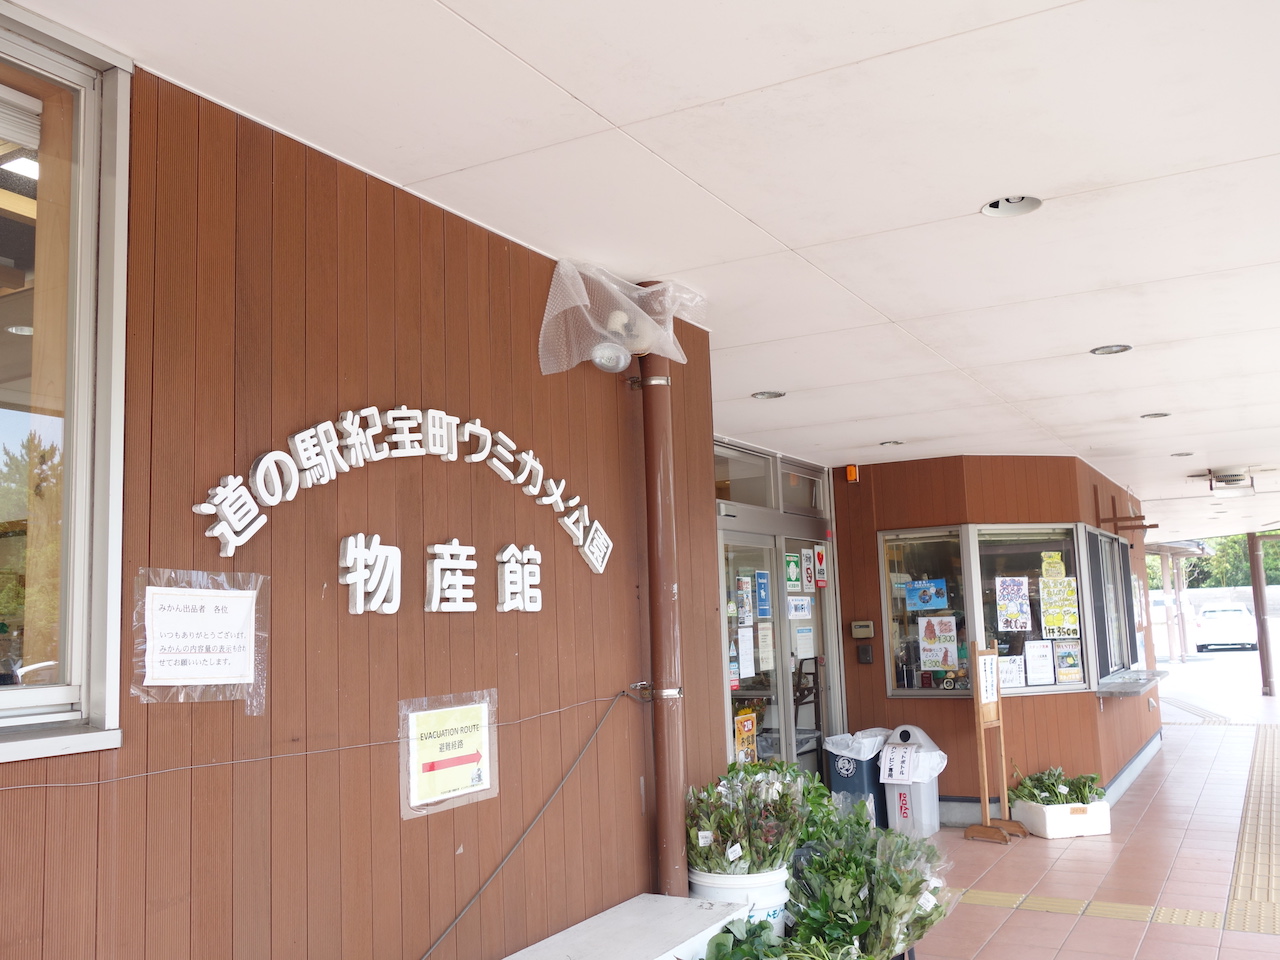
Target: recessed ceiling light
1188	454
890	443
1154	416
768	394
1110	348
21	330
23	165
1011	206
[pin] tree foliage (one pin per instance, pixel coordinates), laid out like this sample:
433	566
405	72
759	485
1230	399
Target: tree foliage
1228	567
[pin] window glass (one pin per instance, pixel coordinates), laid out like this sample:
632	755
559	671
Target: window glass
35	175
801	494
1031	606
743	477
927	635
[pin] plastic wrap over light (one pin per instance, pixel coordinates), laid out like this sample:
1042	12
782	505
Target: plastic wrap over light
588	307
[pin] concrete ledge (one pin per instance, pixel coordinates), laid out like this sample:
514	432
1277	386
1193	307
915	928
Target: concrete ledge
647	927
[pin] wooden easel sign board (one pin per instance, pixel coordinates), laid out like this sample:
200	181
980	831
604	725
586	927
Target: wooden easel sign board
987	716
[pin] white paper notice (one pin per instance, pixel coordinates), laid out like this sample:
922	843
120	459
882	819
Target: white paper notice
897	763
746	654
988	678
804	643
764	635
1012	673
199	636
1039	658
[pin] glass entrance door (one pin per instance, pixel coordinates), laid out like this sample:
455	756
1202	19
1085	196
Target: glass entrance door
774	637
805	621
756	700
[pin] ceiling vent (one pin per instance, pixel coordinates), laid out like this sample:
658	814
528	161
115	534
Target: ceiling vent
1230	482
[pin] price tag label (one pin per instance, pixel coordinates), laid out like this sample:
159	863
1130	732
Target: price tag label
704	838
734	852
928	901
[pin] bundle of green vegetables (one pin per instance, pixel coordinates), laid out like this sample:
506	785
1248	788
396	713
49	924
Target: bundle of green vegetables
750	820
1053	786
873	891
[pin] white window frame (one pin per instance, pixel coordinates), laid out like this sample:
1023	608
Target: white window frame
83	714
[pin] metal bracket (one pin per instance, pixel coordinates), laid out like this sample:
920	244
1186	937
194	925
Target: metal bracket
644	690
634	381
656	381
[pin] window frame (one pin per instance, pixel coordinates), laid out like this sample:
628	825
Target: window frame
83	714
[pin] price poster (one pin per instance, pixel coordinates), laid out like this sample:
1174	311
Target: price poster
938	648
1051	566
1013	605
448	753
1067	662
1059	609
1038	655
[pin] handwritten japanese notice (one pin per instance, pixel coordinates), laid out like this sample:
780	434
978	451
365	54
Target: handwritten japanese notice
1013	604
199	636
938	649
1059	609
1012	673
448	753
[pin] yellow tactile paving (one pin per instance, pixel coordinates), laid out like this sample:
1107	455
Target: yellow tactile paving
1053	905
1251	916
1188	918
1118	911
1256	878
992	898
1206	716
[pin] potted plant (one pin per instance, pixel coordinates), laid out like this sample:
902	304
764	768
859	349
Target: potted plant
1053	805
742	832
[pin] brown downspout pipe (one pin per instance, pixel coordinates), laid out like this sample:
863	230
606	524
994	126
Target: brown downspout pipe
664	627
1259	578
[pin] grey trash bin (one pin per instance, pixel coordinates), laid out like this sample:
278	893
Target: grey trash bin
852	768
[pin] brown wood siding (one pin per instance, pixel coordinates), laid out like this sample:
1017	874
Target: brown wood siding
1068	730
271	288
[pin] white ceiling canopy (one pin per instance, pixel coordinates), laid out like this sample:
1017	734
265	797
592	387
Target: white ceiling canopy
817	172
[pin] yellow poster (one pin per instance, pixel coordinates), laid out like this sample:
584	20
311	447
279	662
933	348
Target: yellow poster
448	753
744	738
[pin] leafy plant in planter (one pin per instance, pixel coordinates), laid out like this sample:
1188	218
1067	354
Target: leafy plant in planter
750	820
1054	786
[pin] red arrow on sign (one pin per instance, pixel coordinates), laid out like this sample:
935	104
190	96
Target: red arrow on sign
451	762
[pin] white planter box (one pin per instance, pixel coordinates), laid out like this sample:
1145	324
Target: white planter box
1057	820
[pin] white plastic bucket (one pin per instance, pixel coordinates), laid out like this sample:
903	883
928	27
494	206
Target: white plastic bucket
766	893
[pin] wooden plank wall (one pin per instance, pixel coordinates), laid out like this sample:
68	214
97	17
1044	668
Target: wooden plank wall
271	288
1067	730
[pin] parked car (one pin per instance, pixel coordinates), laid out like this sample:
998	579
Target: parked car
1225	625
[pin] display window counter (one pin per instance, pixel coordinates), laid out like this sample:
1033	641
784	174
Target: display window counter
1054	600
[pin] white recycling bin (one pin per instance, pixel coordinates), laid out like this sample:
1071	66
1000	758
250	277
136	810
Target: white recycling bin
909	766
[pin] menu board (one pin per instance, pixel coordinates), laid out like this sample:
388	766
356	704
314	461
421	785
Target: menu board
938	648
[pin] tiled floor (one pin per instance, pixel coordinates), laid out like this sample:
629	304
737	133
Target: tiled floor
1159	887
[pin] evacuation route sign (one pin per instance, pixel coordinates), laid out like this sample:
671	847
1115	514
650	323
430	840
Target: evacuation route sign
448	753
